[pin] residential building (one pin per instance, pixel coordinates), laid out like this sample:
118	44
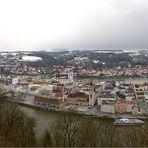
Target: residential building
78	98
108	106
65	76
48	100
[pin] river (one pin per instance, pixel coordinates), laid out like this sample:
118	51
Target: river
44	119
120	78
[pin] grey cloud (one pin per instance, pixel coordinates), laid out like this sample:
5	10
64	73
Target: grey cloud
109	24
125	29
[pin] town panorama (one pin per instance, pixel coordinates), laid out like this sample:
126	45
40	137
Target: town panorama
94	91
93	82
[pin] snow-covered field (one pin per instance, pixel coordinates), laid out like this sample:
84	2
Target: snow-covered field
31	58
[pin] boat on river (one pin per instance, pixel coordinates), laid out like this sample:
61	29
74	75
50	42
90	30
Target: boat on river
128	121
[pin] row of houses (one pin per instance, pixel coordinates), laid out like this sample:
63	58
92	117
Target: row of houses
126	98
112	97
84	93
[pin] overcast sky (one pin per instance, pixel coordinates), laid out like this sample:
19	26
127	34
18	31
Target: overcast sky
73	24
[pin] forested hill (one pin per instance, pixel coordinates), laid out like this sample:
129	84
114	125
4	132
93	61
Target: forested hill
89	59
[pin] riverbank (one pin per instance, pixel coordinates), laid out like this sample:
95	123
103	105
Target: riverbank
85	114
109	77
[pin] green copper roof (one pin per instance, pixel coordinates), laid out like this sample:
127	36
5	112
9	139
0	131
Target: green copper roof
143	105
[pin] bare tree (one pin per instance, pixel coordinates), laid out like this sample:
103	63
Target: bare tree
137	136
47	140
106	133
67	128
16	129
88	134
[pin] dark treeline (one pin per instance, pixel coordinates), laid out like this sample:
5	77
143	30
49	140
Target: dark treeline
16	129
74	131
70	130
62	58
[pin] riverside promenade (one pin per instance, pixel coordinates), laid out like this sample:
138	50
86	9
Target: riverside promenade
91	113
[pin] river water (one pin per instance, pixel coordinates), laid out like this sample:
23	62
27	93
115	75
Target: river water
44	119
127	79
